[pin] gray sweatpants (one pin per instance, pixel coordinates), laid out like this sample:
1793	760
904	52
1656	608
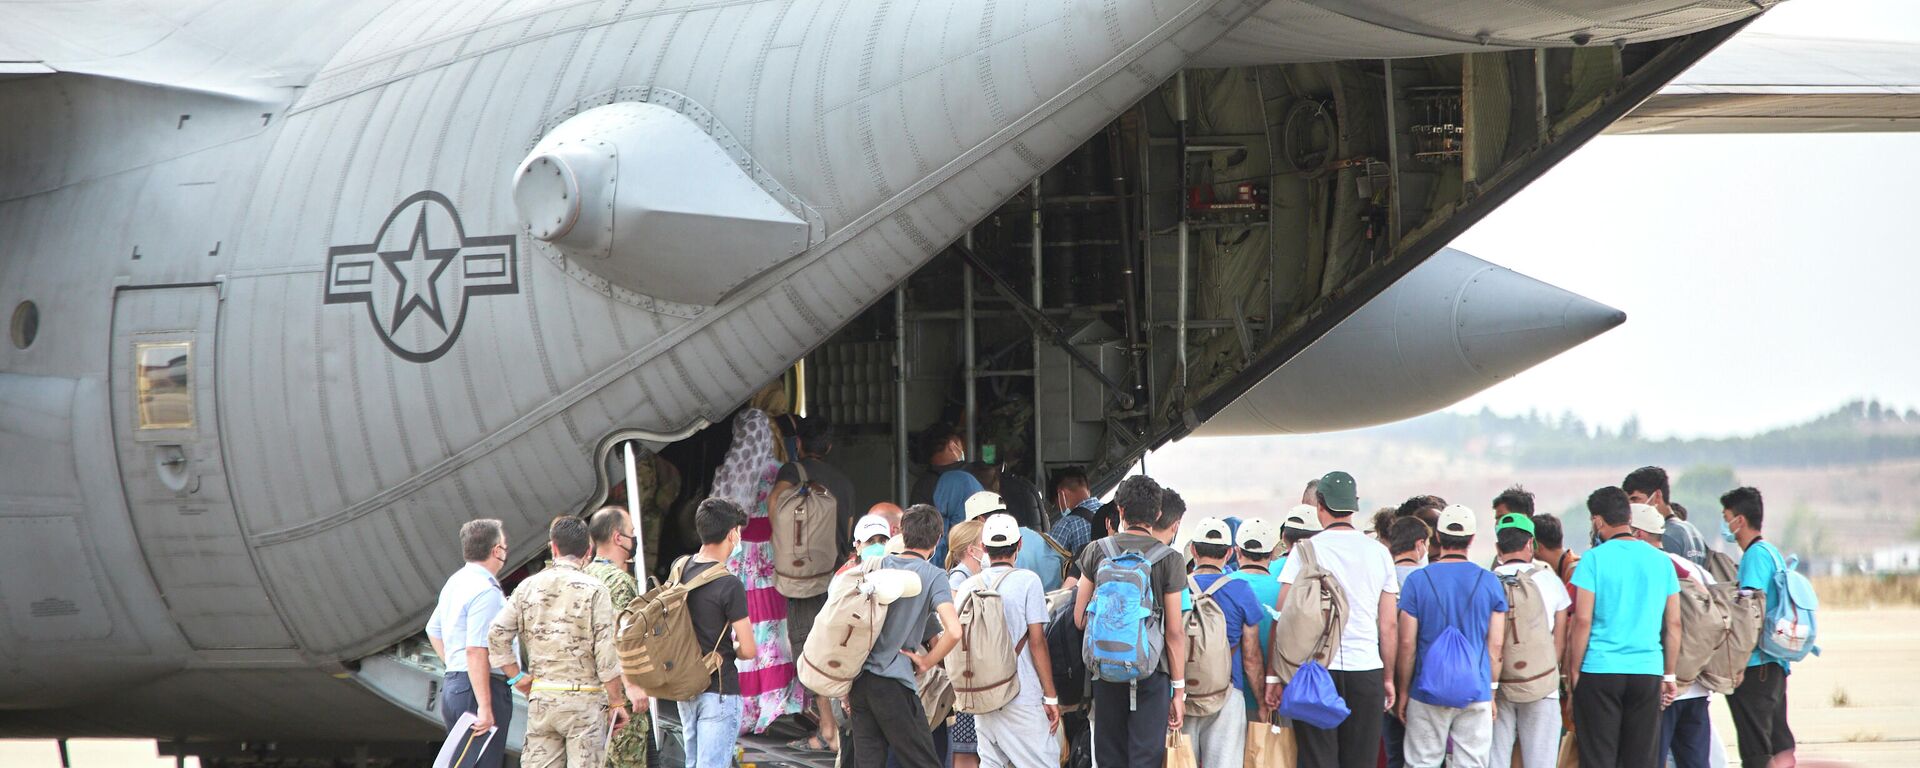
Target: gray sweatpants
1016	736
1219	739
1536	724
1429	727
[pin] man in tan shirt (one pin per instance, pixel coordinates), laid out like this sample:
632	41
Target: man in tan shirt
565	620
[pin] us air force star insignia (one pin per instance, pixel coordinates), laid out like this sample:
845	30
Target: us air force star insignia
417	275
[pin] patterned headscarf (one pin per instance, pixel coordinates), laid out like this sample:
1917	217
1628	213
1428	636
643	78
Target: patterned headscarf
738	478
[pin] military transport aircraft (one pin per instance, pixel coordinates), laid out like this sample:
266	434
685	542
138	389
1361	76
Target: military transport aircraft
294	288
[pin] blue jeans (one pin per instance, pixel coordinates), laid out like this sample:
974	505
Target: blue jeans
1686	733
710	724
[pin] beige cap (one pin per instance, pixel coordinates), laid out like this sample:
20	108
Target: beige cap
1212	530
1259	536
1303	517
1457	520
1000	530
984	503
1647	517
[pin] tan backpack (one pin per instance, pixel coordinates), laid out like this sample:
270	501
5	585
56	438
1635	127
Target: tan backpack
1209	655
1723	567
805	544
658	650
843	634
985	666
1745	611
1529	662
1312	618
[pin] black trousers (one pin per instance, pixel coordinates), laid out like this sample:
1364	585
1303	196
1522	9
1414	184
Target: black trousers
456	699
1134	738
1759	708
887	719
1355	743
1619	720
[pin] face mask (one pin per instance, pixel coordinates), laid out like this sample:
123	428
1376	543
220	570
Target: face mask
1726	533
871	551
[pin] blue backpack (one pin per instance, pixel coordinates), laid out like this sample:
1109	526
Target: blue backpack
1125	632
1312	699
1790	631
1449	672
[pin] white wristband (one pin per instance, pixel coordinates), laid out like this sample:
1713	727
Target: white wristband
1494	686
1050	701
1179	684
1669	679
1273	679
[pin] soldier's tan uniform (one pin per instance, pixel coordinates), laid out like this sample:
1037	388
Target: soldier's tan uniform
565	621
629	748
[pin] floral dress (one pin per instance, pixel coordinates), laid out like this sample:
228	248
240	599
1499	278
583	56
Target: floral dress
768	685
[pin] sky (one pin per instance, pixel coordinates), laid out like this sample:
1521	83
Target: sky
1766	278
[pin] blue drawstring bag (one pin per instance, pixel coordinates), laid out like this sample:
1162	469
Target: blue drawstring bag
1449	671
1311	698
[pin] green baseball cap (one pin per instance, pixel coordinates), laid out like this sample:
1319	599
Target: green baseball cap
1514	520
1340	493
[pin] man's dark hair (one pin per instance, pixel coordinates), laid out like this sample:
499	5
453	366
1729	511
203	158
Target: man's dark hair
1420	505
1450	541
1172	508
1002	553
1294	536
1515	499
922	527
1511	540
934	438
569	535
1405	534
1210	550
1139	500
1745	502
1071	477
1679	509
816	436
1382	522
604	524
1610	505
715	518
1547	532
1647	480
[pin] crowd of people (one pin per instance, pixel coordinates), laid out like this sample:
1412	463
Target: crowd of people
1027	638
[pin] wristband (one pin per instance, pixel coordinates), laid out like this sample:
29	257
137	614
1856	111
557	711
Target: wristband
1493	686
1179	684
1050	701
1273	679
515	680
1669	679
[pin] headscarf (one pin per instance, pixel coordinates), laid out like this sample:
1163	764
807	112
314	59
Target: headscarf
738	478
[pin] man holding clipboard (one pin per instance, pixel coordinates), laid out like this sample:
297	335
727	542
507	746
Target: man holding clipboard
458	630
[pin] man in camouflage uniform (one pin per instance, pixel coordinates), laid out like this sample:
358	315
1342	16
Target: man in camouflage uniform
613	545
565	621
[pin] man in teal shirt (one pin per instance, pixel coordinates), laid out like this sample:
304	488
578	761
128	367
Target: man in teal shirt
1625	638
1256	540
1759	705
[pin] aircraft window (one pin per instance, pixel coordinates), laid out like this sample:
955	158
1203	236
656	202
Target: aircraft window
26	324
163	384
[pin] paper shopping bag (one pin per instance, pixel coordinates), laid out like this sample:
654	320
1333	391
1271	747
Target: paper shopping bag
1569	752
1180	751
1269	746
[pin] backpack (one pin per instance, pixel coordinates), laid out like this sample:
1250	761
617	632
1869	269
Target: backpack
1789	633
805	543
1529	662
1449	671
1125	632
985	666
655	639
1312	619
1064	640
1209	655
1745	610
1722	567
843	634
1312	699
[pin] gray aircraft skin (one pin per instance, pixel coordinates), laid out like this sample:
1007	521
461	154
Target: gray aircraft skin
313	283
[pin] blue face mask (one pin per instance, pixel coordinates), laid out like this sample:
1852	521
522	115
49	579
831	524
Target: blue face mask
871	551
1726	533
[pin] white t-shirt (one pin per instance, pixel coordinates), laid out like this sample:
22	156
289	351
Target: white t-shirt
1363	569
1699	576
1024	601
1553	594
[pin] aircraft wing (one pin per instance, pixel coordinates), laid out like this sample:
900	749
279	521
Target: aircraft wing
1760	83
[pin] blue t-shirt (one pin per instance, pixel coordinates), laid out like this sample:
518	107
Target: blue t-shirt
1455	594
1266	594
1630	581
1757	568
950	497
1035	555
1241	607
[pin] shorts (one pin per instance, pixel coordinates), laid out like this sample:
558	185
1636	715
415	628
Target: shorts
801	612
962	735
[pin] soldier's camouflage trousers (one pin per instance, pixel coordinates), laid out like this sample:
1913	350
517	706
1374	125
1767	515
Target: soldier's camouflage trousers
566	730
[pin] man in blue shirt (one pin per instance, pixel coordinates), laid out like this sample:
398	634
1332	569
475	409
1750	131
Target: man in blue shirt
1759	705
1073	496
1624	639
458	631
1256	540
956	484
1455	593
1221	738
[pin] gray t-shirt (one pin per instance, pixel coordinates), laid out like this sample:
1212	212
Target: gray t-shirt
1024	602
907	619
1682	539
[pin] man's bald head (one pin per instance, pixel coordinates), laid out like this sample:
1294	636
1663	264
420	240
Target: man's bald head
606	522
889	510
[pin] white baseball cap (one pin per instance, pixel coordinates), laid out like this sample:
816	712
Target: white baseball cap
984	503
869	527
1259	536
1303	517
1647	517
1000	530
1457	520
1212	530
